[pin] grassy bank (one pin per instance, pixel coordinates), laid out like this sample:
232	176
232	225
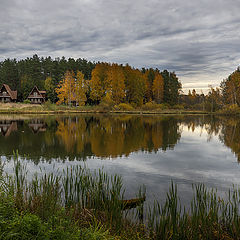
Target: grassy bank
48	108
81	204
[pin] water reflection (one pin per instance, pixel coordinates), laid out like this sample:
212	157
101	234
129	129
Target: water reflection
116	136
82	136
7	126
150	150
230	135
37	125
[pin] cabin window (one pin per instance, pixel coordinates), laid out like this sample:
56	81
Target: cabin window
4	93
35	94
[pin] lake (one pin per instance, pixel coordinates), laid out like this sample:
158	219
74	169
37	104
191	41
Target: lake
149	150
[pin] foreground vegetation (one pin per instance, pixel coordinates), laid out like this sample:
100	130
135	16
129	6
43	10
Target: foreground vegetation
80	204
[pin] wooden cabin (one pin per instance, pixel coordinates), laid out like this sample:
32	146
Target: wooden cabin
36	96
7	95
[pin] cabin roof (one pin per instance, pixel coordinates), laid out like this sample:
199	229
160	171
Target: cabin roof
12	94
40	93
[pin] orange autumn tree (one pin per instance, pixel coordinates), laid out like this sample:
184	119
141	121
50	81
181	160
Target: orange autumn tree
233	88
157	88
72	89
98	83
115	82
80	89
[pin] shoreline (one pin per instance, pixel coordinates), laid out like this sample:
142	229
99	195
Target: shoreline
137	112
54	109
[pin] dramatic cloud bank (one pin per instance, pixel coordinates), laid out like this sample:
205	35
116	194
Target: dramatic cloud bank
199	40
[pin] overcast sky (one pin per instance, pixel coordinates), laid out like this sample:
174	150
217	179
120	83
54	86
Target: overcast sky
198	39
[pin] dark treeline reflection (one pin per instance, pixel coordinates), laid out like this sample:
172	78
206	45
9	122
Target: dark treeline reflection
82	136
78	137
226	128
230	135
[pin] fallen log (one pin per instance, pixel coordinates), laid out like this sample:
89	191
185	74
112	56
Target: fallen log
133	203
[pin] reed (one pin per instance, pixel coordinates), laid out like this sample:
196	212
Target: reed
78	196
74	189
209	217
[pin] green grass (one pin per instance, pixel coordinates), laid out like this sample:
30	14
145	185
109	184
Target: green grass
77	203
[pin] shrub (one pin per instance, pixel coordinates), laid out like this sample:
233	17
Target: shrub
96	231
49	105
26	101
230	109
28	226
178	106
163	106
124	107
150	106
107	103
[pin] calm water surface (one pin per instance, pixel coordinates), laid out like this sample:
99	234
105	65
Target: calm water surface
149	150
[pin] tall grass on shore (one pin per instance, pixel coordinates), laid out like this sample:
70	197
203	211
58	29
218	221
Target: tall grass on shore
209	217
78	197
76	189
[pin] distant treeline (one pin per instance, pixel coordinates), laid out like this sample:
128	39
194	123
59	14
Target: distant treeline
225	97
102	81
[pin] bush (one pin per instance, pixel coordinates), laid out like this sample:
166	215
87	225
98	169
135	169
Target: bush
164	106
178	106
49	105
96	232
124	107
150	106
28	226
107	103
26	101
230	109
197	106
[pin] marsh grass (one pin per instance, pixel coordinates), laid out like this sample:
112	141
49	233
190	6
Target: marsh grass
91	203
209	217
74	189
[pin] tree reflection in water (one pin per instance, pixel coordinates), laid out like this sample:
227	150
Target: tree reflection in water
82	136
78	137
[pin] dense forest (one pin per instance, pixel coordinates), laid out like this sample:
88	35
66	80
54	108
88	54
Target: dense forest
24	74
85	82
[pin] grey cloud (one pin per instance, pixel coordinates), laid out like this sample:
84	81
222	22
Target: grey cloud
195	39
